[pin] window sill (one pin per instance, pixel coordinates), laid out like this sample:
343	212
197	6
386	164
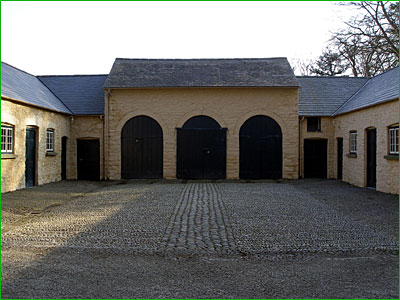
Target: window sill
391	157
8	156
352	155
51	153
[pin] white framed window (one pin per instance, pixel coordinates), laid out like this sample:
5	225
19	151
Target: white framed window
353	141
50	140
7	139
394	140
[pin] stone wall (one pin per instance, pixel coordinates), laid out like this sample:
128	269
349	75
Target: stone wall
48	168
327	132
85	127
354	168
230	107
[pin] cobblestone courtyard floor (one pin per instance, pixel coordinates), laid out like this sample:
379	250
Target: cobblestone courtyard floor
169	239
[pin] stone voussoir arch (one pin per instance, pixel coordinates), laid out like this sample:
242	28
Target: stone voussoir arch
260	112
202	112
130	115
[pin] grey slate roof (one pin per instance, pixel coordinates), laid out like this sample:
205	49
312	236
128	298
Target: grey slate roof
145	73
83	94
322	96
379	89
23	86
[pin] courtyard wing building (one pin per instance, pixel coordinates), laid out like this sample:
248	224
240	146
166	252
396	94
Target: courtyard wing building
199	119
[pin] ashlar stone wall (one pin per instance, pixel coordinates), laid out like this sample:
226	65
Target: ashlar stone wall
230	107
85	127
327	132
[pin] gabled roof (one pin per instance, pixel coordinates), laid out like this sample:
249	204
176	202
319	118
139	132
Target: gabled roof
146	73
322	96
22	86
379	89
83	94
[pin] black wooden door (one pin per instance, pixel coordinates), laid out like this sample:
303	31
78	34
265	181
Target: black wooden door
30	157
64	158
141	149
339	158
371	158
201	149
88	159
260	142
315	158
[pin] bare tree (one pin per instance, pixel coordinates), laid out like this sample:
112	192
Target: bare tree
329	63
302	67
369	45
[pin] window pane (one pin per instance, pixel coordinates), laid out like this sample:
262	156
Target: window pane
6	139
313	123
50	140
3	139
353	142
394	140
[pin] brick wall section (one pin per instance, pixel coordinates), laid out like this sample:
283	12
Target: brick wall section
48	167
230	107
327	132
354	169
85	127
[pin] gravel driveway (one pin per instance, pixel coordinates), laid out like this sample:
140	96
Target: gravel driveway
168	239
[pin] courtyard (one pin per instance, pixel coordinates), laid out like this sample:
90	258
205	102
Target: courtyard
199	239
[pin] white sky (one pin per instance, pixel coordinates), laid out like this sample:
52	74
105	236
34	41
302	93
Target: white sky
85	37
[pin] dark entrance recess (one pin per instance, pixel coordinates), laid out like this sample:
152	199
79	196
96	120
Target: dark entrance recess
30	157
371	158
315	158
201	149
260	142
339	158
64	158
141	149
88	159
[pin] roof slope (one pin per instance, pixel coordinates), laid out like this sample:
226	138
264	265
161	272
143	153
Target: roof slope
83	94
145	73
23	86
379	89
322	96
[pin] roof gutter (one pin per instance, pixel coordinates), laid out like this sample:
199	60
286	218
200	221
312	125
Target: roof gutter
200	87
34	105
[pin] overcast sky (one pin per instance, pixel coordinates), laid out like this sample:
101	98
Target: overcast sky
85	37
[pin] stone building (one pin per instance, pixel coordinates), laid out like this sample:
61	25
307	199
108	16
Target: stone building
198	118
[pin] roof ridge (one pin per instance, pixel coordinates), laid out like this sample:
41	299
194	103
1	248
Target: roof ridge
318	76
75	75
385	72
17	69
194	59
352	96
55	95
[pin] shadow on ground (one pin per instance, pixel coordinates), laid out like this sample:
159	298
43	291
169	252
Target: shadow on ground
106	244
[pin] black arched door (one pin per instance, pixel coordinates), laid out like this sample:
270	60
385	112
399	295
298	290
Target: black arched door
260	142
201	149
141	149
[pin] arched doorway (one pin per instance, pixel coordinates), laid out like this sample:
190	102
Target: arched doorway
201	149
260	142
141	149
